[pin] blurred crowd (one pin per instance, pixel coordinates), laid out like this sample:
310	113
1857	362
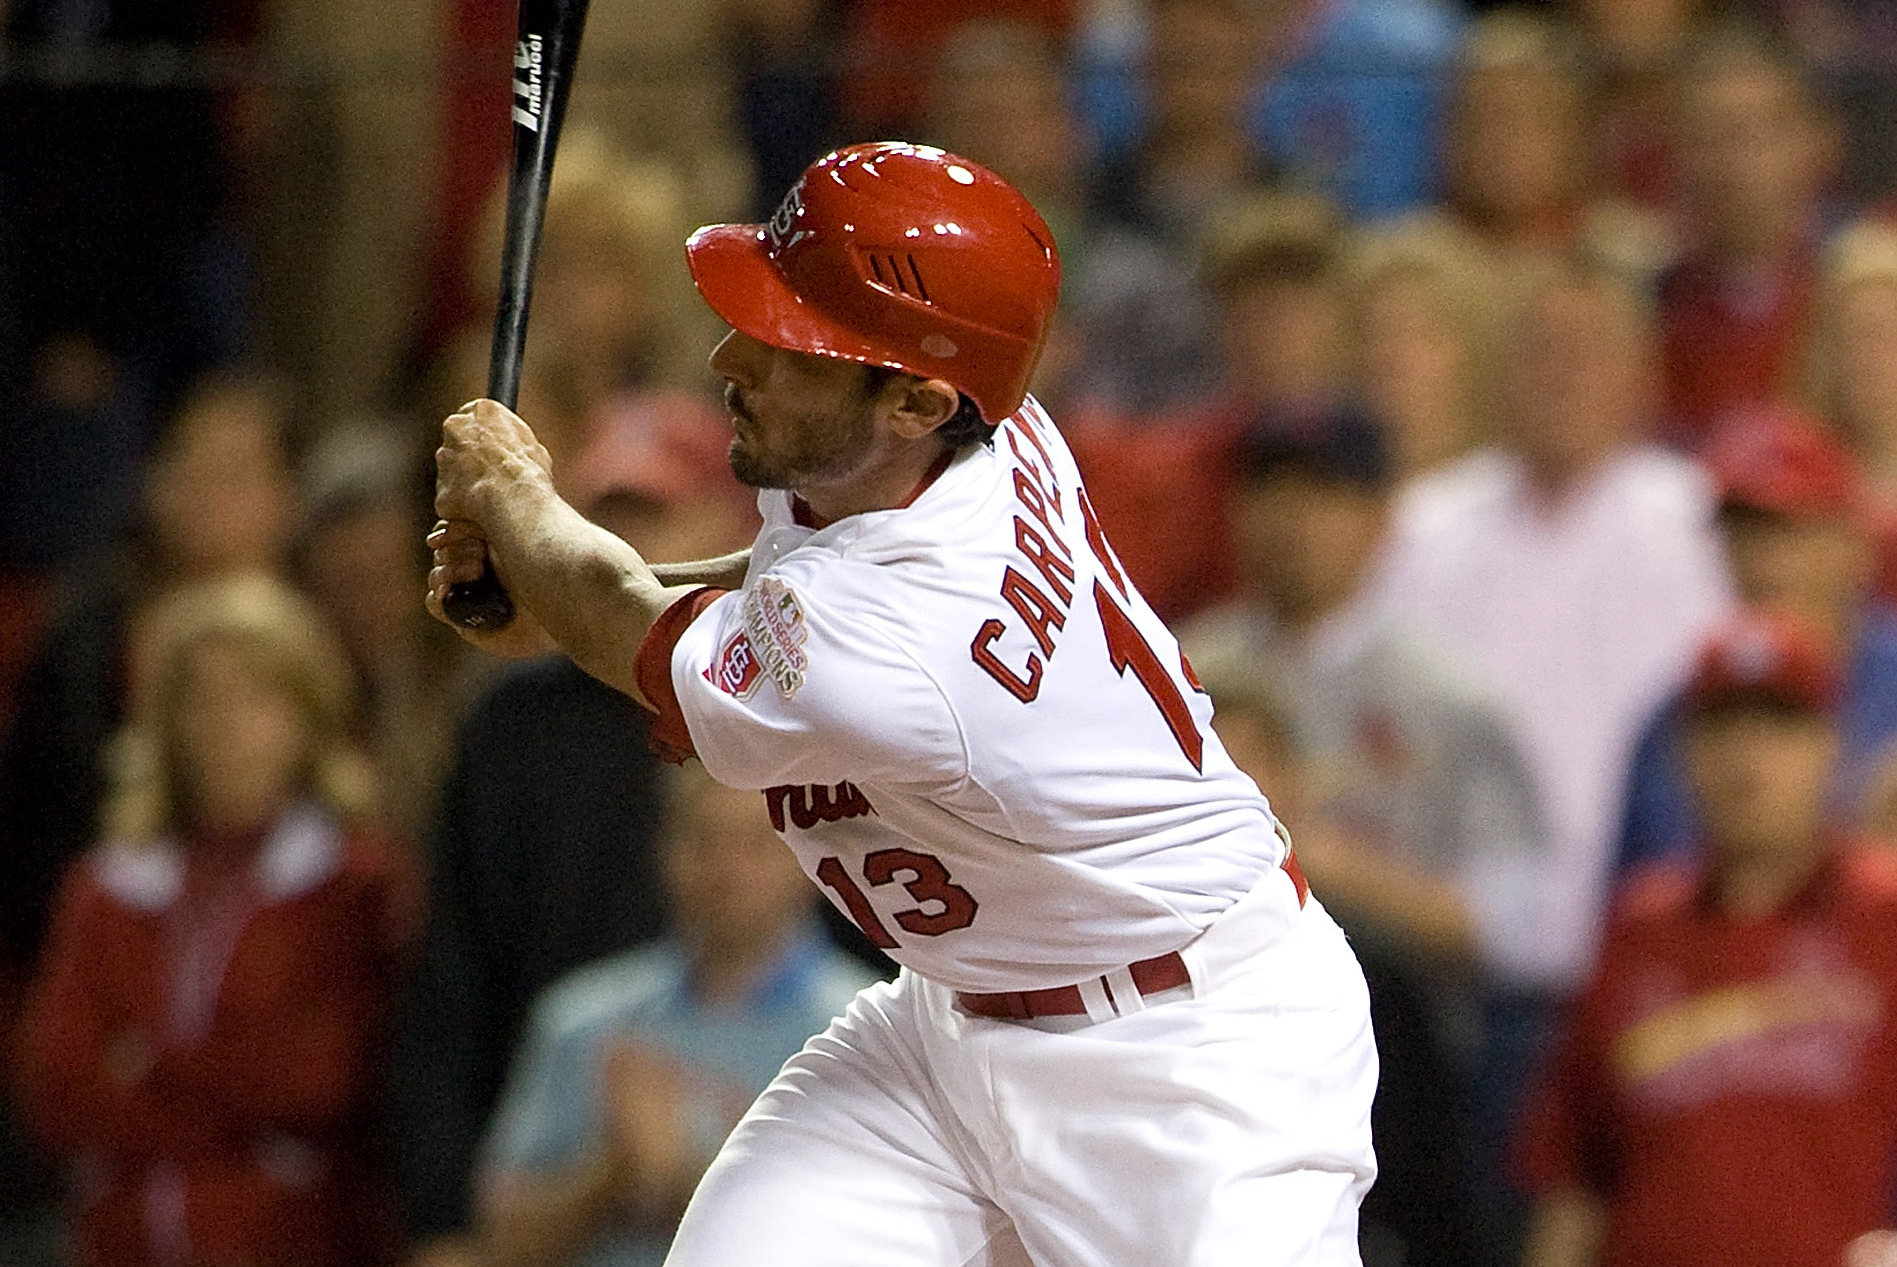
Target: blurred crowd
1501	402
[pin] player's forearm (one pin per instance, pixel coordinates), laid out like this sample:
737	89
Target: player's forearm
725	572
592	593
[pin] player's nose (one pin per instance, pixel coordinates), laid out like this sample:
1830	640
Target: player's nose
735	359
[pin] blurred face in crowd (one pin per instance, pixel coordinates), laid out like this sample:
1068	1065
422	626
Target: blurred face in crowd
589	288
1307	540
361	565
1579	379
221	494
240	741
1200	67
1754	155
1759	774
1817	567
1282	339
1863	339
1001	100
734	885
1638	34
1515	146
1414	370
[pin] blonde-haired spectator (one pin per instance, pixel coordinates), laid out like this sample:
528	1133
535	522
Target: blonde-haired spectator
1853	362
219	498
611	290
202	1042
618	341
1426	326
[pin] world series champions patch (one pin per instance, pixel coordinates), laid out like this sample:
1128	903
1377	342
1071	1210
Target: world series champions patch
770	644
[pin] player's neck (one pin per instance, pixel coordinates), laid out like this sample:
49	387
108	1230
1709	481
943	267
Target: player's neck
895	475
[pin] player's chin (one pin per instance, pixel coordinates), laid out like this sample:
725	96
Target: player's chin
752	468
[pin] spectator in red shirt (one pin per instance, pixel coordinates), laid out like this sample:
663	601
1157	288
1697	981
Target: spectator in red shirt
1756	153
1725	1090
202	1041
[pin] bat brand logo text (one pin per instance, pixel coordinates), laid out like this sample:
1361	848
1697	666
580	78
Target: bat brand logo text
527	66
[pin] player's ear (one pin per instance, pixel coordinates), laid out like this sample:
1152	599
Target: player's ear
921	405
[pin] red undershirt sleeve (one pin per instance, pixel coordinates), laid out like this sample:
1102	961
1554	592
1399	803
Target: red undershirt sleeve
652	669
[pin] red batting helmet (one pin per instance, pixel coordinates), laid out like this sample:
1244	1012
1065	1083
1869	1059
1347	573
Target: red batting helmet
898	255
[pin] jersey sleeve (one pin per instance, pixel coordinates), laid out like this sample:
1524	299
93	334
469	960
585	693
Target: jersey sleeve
652	668
792	682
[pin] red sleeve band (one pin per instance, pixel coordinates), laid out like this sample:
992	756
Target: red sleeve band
652	670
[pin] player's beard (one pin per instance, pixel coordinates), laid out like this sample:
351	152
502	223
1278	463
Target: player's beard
807	449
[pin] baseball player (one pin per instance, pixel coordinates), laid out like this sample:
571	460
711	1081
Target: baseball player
1124	1034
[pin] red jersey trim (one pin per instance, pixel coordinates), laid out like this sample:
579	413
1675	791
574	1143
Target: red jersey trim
652	670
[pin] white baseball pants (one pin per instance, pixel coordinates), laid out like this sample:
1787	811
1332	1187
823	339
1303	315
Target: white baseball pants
1225	1125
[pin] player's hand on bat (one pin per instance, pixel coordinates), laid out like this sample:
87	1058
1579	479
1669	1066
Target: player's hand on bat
487	452
461	555
487	455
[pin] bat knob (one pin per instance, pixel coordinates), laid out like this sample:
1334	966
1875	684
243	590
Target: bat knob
483	605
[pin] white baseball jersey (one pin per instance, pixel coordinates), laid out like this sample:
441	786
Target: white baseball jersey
977	737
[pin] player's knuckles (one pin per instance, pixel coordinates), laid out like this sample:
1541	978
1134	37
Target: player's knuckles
461	553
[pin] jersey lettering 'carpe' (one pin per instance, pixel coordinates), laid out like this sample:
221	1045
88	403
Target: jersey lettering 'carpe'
973	731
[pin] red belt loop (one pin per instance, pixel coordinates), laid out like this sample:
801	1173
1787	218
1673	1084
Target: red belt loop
1292	869
1150	976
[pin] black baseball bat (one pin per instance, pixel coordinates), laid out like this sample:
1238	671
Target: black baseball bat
544	56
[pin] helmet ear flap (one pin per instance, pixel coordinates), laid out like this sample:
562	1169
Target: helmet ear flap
897	255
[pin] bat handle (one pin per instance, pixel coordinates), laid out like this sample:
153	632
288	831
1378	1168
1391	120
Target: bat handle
482	604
